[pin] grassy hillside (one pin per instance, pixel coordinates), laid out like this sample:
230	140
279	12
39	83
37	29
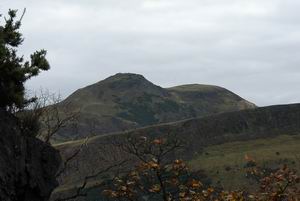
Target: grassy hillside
129	101
208	99
225	163
212	143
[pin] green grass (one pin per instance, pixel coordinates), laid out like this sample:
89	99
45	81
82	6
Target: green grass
195	88
224	164
216	159
136	102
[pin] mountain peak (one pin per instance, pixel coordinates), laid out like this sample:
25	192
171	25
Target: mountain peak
127	81
125	76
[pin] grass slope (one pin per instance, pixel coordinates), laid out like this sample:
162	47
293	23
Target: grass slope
226	137
225	163
128	101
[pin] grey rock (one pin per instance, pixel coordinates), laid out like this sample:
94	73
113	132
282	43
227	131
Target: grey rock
27	165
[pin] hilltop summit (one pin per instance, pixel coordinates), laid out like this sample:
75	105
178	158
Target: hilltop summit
127	101
125	77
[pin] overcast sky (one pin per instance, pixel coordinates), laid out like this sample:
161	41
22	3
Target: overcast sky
251	47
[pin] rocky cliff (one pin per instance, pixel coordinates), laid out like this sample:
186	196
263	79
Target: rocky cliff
27	165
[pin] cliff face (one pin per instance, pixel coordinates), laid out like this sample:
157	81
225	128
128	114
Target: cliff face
27	165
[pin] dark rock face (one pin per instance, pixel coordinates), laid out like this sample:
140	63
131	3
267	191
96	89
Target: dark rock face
27	165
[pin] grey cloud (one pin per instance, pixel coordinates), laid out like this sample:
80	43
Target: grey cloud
249	47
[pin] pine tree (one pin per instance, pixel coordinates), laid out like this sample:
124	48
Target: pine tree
14	71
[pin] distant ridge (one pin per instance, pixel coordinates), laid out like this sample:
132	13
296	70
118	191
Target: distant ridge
127	101
198	134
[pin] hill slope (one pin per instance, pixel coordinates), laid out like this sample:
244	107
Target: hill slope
128	101
224	165
198	133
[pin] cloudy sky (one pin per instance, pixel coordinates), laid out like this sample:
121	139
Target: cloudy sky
251	47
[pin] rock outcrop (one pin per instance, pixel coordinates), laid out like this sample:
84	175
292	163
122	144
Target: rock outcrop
27	165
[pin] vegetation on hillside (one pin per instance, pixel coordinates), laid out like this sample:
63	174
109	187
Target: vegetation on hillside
225	164
129	101
157	174
202	133
153	180
150	168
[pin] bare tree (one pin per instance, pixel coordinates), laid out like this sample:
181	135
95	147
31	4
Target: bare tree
55	115
81	191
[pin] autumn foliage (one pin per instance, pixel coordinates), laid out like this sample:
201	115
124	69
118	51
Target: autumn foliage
156	177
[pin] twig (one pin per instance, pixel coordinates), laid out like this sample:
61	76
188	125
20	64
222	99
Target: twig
70	158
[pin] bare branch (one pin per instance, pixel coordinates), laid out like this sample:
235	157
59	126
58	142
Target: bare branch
24	11
70	158
82	187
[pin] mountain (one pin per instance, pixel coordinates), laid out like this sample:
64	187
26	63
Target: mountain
129	101
211	141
